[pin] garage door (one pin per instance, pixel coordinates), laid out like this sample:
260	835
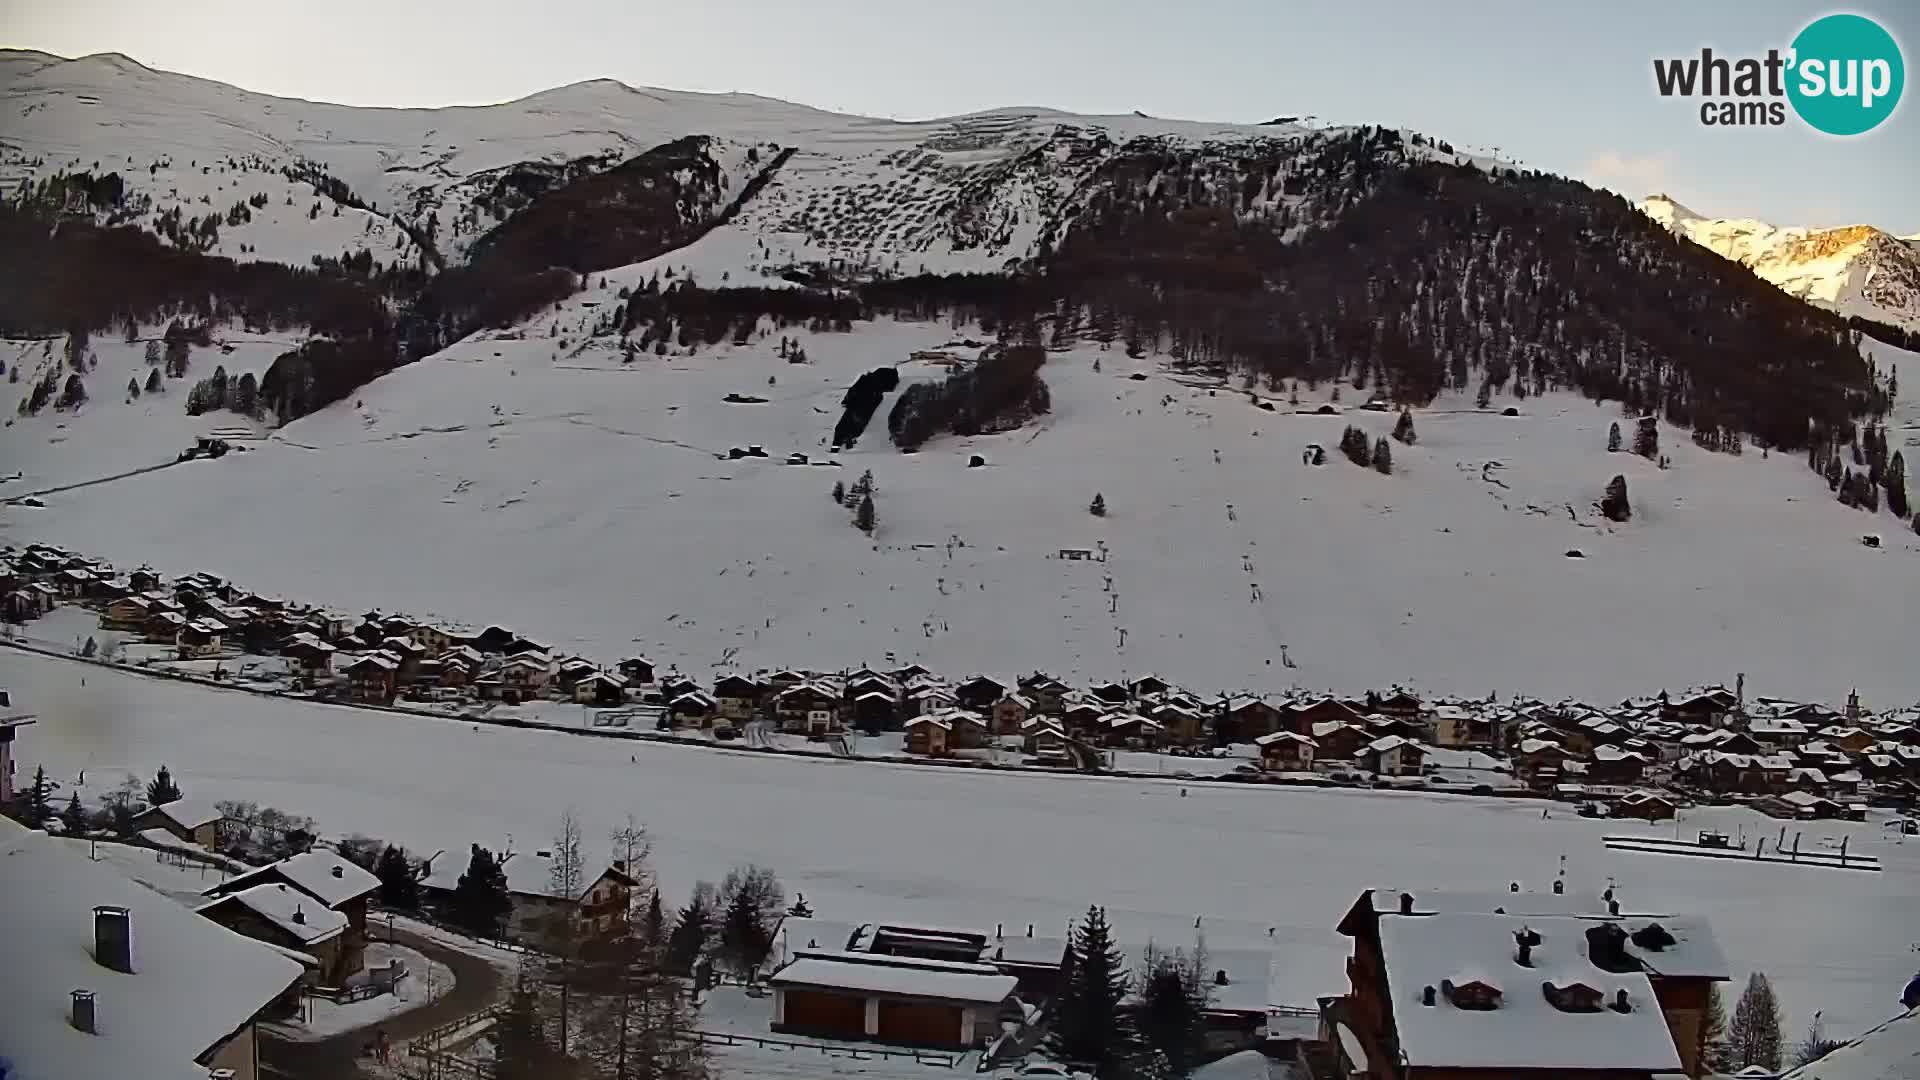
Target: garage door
816	1010
919	1025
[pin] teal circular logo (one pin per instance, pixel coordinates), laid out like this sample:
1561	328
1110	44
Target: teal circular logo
1847	74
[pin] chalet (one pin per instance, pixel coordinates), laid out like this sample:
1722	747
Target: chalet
73	584
86	998
1010	714
908	1001
911	671
1083	717
163	627
979	693
143	580
308	656
1539	762
673	684
1286	751
407	655
288	919
1335	741
786	678
1130	729
524	676
1646	806
696	708
333	883
809	708
970	729
1247	719
197	640
1612	765
1148	685
1851	739
570	671
1302	718
435	640
1045	692
1046	741
1454	726
601	913
929	735
1184	725
1399	703
1392	755
869	682
371	678
1776	732
127	613
186	820
1111	693
1711	707
738	697
494	640
1509	985
875	711
600	688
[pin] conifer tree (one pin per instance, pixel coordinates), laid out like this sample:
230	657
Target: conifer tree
161	790
840	493
1614	504
399	880
1382	457
133	388
154	385
1834	473
653	925
691	931
36	799
1089	1028
1613	438
1895	481
1713	1032
1174	996
74	817
521	1050
1403	427
1646	437
480	902
1753	1035
863	518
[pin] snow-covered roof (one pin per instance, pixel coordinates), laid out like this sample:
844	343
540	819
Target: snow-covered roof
1390	742
189	813
938	720
1525	1030
194	982
1614	753
1284	736
897	977
291	910
1889	1051
324	875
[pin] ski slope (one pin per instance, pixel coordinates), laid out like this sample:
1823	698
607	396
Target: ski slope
871	841
534	482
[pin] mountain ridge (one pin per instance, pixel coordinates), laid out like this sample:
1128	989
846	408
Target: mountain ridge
1854	270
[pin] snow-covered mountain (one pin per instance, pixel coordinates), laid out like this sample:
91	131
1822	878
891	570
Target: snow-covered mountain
578	312
960	194
1852	270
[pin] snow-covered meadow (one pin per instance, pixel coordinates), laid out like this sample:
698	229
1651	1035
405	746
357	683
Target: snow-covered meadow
869	841
590	505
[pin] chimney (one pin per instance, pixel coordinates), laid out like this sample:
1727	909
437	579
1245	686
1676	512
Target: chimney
618	864
1620	1004
300	916
1406	903
1220	978
113	938
339	872
1513	886
83	1012
1613	907
1524	956
1559	886
1427	996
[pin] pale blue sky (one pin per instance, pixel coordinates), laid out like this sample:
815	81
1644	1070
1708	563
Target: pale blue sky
1556	86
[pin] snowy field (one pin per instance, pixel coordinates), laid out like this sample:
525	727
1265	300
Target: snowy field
869	840
589	505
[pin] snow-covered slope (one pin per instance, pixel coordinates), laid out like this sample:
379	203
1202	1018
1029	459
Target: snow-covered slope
590	504
955	194
1853	270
